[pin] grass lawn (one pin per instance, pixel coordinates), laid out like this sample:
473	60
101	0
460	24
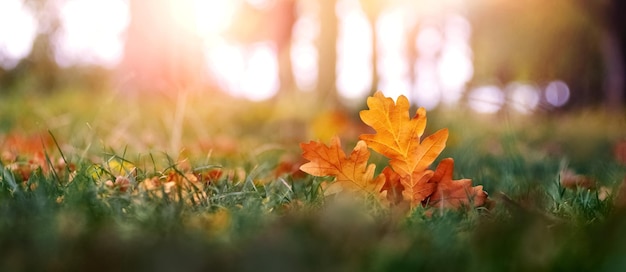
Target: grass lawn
203	182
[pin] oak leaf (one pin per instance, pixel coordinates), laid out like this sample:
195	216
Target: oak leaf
351	173
392	185
398	138
454	194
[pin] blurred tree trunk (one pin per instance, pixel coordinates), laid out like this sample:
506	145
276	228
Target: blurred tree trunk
162	51
284	18
614	70
525	41
412	53
614	53
372	9
40	64
327	66
612	27
273	24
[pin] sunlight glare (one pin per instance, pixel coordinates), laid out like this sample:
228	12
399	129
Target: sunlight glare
261	4
486	99
91	32
183	13
260	80
304	55
391	31
429	41
393	67
213	16
457	28
226	62
354	53
395	88
455	69
426	92
304	59
249	72
18	29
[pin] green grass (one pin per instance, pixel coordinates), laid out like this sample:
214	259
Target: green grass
251	219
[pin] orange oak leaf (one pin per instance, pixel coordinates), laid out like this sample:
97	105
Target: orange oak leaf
351	173
398	138
454	194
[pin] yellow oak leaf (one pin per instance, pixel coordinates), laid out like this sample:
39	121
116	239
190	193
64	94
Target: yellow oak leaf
351	173
398	138
454	194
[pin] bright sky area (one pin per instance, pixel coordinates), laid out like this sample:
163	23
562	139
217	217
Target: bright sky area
92	33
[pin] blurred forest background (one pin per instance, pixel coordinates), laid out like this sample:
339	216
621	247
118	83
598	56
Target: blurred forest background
489	54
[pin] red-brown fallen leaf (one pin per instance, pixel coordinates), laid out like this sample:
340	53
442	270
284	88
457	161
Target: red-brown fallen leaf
351	173
569	179
421	189
289	166
454	194
620	152
398	138
393	186
210	176
15	145
25	169
121	183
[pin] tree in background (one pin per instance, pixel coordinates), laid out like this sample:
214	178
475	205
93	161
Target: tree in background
273	23
39	69
284	14
539	41
611	16
327	48
163	51
372	9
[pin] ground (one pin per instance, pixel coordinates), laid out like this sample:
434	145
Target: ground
115	181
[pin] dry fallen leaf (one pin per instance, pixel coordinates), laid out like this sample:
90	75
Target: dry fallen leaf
392	186
24	145
352	173
620	151
569	179
454	194
407	182
398	138
289	166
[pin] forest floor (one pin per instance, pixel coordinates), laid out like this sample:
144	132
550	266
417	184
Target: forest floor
119	182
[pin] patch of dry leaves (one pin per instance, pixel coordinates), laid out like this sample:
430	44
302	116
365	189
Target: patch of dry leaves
408	178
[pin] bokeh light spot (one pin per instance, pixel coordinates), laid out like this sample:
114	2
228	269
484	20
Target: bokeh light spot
260	80
486	99
18	28
524	97
429	41
91	32
353	52
557	93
